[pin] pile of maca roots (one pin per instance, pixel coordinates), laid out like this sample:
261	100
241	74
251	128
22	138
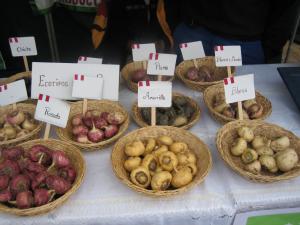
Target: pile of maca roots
96	126
16	124
141	75
201	74
35	177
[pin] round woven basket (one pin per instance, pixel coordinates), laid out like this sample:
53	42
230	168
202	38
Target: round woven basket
212	91
77	161
204	160
29	108
228	133
65	134
209	61
137	116
128	69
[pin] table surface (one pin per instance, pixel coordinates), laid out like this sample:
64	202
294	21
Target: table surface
103	199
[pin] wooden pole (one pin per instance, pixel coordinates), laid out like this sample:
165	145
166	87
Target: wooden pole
195	63
240	108
84	106
47	131
14	106
26	63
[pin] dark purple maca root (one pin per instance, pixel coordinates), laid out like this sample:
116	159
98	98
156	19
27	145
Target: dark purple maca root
42	196
19	183
13	153
4	181
9	167
58	184
68	173
40	152
59	159
5	196
24	200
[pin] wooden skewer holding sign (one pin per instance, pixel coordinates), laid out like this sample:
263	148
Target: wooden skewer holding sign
195	63
84	106
240	108
47	131
26	63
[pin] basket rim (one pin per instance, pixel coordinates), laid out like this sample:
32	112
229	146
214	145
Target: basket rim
259	178
167	193
99	145
227	119
30	134
58	202
197	116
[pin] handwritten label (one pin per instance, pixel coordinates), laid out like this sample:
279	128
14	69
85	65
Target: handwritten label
52	110
239	88
22	46
13	92
228	56
192	50
154	94
161	64
140	52
87	87
56	79
89	60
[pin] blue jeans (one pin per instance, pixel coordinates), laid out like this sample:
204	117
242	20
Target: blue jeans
252	51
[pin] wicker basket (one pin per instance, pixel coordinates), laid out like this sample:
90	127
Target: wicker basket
76	160
204	160
209	61
128	69
212	91
65	134
228	133
30	108
137	117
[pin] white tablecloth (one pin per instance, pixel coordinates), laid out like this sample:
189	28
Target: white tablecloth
103	199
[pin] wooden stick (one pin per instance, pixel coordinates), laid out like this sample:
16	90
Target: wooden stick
195	63
47	131
26	63
14	106
84	106
144	65
240	108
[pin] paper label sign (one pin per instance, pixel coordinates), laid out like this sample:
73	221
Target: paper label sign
87	87
52	110
89	60
56	79
154	94
140	52
239	88
13	92
22	46
228	56
192	50
161	64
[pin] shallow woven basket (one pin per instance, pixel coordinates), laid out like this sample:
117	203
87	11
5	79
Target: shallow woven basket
210	93
137	116
228	133
30	108
128	69
204	160
77	161
65	134
209	61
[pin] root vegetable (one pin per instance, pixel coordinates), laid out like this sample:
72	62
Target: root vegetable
131	163
168	161
68	173
42	196
180	121
99	122
29	124
13	153
15	117
24	200
161	180
140	176
254	167
160	150
255	111
204	74
267	162
80	129
164	140
249	155
95	135
19	183
135	148
178	147
229	112
110	131
182	177
10	132
246	133
82	138
77	120
192	167
151	143
10	168
87	120
60	159
186	158
150	162
248	103
104	115
39	180
4	181
238	147
58	184
287	159
5	196
138	75
259	142
115	118
265	150
280	143
35	153
192	74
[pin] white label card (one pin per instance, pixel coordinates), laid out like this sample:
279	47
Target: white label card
13	92
228	56
140	52
56	79
87	87
52	110
89	60
239	88
22	46
161	64
154	94
192	50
